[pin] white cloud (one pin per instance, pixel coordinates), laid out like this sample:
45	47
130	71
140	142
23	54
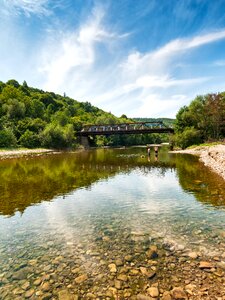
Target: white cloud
28	7
137	84
89	64
73	55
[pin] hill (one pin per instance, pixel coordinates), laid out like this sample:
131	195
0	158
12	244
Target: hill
167	121
30	117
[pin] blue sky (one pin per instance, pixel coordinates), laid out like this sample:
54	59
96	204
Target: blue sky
144	58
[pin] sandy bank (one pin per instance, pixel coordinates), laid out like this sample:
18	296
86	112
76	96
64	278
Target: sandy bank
212	157
4	154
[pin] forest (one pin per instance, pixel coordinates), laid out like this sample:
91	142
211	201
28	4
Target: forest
33	118
202	121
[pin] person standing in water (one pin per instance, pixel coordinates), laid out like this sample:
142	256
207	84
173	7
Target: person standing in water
156	149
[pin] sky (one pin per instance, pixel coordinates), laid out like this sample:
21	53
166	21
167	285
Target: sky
142	58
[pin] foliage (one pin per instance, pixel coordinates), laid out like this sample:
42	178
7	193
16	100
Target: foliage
35	118
188	137
32	118
29	139
202	120
7	138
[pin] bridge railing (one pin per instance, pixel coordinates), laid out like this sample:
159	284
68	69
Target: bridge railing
123	127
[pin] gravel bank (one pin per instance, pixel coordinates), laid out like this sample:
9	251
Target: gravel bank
4	154
212	157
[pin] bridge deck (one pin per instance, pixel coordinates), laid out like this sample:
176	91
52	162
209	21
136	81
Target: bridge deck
125	128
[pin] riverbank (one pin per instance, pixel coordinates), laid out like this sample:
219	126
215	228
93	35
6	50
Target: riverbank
212	157
4	154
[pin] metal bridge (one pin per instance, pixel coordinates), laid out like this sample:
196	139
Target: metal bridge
125	128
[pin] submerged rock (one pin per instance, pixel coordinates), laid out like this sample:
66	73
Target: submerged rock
179	294
81	278
153	291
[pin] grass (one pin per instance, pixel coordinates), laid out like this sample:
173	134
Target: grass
206	144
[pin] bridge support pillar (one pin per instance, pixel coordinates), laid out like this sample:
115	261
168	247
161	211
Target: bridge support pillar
85	142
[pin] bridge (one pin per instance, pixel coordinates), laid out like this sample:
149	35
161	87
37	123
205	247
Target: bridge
123	128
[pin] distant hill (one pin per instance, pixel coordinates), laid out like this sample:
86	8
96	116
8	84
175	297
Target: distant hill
32	118
167	121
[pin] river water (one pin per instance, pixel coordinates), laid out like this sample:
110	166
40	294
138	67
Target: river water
93	224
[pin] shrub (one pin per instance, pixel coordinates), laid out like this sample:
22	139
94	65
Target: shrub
29	140
190	136
7	138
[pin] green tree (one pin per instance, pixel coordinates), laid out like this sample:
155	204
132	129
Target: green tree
29	140
7	138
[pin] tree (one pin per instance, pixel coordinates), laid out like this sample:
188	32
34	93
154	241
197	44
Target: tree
7	138
190	136
29	139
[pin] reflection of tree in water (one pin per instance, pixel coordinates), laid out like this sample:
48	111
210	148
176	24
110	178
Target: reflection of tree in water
28	181
194	177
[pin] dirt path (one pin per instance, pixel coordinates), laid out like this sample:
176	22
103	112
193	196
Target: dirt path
212	156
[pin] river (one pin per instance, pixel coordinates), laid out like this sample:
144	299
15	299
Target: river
111	224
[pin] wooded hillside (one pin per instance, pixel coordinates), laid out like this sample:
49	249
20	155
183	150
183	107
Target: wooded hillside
30	117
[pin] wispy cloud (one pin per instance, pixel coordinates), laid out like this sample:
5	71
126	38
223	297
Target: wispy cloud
73	55
29	7
97	61
137	83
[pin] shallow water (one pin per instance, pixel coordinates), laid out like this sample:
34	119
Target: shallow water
63	212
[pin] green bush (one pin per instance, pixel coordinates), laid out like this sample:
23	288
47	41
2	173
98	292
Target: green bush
7	138
29	140
190	136
58	137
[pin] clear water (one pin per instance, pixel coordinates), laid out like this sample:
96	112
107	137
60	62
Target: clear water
85	210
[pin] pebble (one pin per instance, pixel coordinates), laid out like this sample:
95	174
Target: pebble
81	278
29	293
143	297
193	255
46	287
112	268
178	293
153	292
205	265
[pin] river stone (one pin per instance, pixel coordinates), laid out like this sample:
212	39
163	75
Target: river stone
65	295
112	268
146	272
76	270
118	262
118	284
152	252
143	297
122	277
18	291
166	296
193	255
47	296
22	273
81	278
134	272
37	282
29	293
90	296
128	258
205	265
26	285
178	293
153	291
46	287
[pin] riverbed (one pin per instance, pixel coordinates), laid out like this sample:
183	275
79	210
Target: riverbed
111	224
